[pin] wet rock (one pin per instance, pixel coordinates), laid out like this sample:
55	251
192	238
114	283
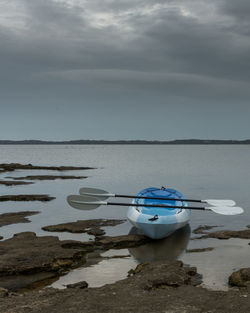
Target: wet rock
92	227
240	278
202	229
167	274
25	282
15	217
199	250
1	237
26	198
14	183
174	293
124	241
79	285
25	253
10	167
226	234
87	246
3	292
47	177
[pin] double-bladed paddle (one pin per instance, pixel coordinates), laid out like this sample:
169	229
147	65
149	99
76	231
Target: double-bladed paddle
103	195
81	202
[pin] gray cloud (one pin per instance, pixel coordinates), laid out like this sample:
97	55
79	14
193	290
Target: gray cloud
73	54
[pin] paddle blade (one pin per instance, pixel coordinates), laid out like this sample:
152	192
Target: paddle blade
84	202
220	202
226	210
99	193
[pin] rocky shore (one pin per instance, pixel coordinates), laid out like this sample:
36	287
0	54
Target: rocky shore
168	287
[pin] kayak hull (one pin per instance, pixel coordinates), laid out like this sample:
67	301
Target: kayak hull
158	223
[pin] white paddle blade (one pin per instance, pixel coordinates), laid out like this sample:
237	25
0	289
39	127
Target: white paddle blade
84	202
226	210
220	202
94	192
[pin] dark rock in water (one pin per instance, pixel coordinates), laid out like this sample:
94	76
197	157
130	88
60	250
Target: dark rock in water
92	227
124	241
199	250
202	229
79	285
47	177
87	246
10	167
240	278
16	217
226	234
26	198
1	237
14	183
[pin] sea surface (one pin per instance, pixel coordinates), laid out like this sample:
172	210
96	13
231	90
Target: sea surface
198	171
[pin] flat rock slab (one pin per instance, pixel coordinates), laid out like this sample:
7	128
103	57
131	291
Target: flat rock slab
26	198
123	241
47	177
16	217
91	227
203	229
25	253
156	287
14	183
10	167
199	250
227	234
26	258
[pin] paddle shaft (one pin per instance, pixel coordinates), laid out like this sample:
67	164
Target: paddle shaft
154	205
159	198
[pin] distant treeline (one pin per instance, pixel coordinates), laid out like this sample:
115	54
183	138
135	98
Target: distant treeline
127	142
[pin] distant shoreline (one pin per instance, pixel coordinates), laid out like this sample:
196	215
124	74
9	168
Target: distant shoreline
127	142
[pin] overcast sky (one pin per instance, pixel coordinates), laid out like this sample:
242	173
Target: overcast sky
124	69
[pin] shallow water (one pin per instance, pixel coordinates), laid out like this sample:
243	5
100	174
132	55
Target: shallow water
199	171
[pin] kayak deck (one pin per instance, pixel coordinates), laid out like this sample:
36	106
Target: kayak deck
157	222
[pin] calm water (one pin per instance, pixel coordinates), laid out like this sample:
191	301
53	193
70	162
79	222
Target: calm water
197	171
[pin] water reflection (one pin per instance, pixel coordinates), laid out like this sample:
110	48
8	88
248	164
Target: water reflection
169	248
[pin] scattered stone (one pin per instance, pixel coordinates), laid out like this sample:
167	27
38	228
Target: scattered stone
91	227
79	285
16	217
10	167
199	250
47	177
26	198
202	229
14	183
240	278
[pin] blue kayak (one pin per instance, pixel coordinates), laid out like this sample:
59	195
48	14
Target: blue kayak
156	222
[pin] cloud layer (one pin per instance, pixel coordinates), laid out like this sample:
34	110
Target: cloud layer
97	61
